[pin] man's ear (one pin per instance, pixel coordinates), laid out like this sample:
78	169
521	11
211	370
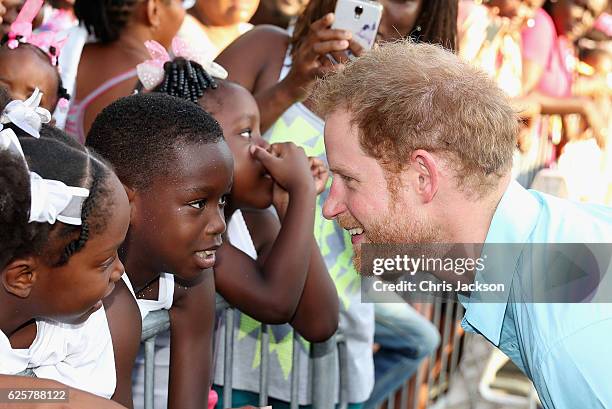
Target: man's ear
425	167
153	13
19	276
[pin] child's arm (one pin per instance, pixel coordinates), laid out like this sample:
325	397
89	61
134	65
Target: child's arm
77	399
316	315
270	292
125	326
192	321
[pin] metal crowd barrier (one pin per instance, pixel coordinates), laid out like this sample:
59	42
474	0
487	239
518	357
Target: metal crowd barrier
323	356
433	378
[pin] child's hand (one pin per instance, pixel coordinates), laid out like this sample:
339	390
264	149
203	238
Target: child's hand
280	200
320	174
288	165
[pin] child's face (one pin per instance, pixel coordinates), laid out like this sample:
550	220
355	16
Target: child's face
238	115
23	69
72	292
179	219
226	12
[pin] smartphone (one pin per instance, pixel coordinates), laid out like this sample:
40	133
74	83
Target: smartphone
361	17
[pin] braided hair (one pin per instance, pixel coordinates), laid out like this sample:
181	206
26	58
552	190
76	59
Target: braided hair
436	24
88	209
51	159
105	18
185	79
14	205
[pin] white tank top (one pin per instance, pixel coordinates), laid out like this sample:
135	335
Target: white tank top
165	295
80	356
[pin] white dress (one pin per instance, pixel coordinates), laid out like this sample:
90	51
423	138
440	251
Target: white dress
80	356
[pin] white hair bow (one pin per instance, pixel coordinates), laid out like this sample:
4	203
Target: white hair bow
51	200
27	114
151	72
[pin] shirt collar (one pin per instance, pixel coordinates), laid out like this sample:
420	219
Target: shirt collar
513	222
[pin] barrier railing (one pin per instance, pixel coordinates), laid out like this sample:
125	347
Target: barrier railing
434	376
325	357
429	382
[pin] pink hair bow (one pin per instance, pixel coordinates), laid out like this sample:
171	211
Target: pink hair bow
50	42
21	32
21	29
151	72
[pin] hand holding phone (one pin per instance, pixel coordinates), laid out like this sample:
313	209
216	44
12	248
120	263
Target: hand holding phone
310	58
360	17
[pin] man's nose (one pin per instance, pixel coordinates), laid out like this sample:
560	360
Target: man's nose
334	204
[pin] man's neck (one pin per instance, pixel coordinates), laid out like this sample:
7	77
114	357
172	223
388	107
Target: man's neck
469	221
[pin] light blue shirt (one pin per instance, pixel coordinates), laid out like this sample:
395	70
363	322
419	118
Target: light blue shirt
564	348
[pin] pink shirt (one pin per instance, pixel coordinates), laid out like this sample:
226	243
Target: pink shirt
542	45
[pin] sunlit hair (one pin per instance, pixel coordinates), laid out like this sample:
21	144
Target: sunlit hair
425	98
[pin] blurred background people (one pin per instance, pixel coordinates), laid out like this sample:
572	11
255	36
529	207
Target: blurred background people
212	25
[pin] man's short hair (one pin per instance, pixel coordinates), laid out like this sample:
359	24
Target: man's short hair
405	96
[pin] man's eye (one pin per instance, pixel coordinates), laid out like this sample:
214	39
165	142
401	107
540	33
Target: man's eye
198	204
223	200
247	133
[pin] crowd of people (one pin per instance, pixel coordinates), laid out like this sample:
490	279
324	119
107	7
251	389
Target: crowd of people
157	153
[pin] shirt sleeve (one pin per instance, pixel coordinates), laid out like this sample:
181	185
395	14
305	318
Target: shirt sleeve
575	372
538	41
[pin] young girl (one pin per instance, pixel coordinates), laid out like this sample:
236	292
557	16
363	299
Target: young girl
29	61
106	70
261	270
58	261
